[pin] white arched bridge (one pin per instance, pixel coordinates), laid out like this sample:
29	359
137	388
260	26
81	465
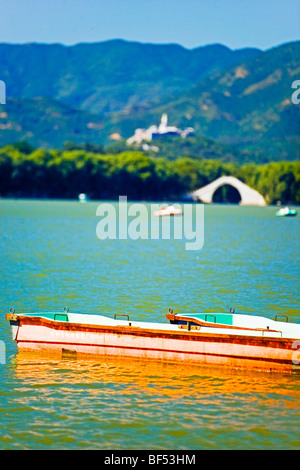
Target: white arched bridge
249	196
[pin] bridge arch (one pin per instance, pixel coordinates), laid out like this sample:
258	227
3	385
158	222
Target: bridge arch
249	196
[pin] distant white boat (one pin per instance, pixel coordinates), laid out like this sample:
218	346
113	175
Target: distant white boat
286	212
82	197
170	210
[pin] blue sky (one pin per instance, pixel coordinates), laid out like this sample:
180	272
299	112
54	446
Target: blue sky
191	23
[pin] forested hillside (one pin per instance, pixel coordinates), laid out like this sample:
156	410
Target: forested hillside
238	102
248	105
109	76
27	172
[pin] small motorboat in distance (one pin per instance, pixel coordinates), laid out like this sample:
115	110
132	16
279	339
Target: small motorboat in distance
224	339
169	210
82	197
286	212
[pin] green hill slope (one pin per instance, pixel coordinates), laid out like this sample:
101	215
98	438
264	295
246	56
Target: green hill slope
238	98
248	105
109	76
44	122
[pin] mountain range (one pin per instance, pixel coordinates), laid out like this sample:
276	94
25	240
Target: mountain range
92	92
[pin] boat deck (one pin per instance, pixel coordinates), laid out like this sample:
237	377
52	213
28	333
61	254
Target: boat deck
221	323
240	341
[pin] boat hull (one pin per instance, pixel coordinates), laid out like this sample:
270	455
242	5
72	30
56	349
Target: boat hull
251	352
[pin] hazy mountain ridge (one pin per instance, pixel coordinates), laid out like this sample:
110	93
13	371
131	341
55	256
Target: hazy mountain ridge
109	76
239	97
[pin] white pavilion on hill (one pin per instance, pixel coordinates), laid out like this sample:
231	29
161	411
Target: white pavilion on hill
157	132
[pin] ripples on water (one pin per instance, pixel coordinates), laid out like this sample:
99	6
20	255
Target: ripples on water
112	404
51	257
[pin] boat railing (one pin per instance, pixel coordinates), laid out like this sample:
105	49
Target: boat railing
61	315
121	315
212	316
284	316
267	330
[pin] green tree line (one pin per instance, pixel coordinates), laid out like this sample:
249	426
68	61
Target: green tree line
28	172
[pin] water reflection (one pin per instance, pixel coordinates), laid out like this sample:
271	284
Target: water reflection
118	403
169	380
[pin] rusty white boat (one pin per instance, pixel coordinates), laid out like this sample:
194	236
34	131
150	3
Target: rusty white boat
229	339
169	210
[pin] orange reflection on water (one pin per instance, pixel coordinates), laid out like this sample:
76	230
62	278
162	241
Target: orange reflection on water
168	380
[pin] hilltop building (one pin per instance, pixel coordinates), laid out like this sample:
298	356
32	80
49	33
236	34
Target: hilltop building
157	132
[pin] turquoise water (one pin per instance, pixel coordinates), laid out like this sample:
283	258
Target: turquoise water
51	258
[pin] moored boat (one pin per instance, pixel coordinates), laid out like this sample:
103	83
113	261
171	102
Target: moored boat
229	339
169	210
286	212
82	197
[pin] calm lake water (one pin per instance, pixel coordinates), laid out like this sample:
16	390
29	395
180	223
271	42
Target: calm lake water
51	258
